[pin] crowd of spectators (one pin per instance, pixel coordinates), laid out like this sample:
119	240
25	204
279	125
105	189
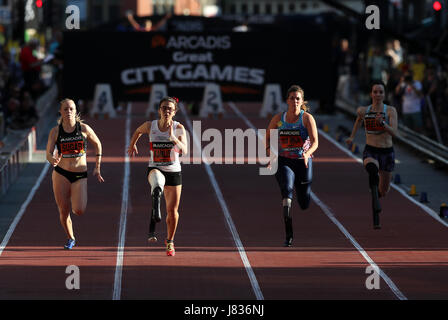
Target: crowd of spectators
21	84
416	84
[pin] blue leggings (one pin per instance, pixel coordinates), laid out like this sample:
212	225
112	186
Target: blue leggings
293	173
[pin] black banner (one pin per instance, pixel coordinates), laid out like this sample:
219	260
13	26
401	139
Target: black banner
241	63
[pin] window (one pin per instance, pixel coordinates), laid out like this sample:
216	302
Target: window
268	8
256	8
280	8
292	7
232	8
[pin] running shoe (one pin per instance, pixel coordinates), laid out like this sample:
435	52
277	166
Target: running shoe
152	237
288	242
70	244
170	248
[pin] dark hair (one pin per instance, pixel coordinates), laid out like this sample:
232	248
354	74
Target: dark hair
296	88
173	100
377	83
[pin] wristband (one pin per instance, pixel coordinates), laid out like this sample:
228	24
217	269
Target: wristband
99	155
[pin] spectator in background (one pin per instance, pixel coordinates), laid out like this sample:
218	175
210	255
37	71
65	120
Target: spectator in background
379	66
31	67
23	111
10	100
418	68
395	52
411	91
12	69
148	23
430	89
344	60
55	43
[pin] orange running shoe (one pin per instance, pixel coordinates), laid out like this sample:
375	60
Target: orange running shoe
170	248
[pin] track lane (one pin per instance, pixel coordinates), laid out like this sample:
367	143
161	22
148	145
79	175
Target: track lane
409	248
34	262
207	264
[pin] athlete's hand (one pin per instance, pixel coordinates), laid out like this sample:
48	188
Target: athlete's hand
97	174
132	150
55	160
172	135
305	159
379	118
349	141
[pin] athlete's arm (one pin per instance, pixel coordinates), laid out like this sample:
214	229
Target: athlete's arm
50	147
95	141
392	127
144	128
310	125
179	139
360	112
272	126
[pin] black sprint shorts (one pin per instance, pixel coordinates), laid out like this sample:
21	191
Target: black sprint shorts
384	156
171	178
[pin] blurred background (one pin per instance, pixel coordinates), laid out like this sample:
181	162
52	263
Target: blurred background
322	45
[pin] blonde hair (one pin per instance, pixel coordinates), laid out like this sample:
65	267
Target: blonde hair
296	88
78	115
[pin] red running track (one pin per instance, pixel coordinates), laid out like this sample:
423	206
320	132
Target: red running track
323	264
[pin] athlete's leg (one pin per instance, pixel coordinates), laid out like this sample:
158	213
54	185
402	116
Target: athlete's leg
386	166
303	180
288	221
371	166
172	201
384	184
156	180
79	196
285	177
62	193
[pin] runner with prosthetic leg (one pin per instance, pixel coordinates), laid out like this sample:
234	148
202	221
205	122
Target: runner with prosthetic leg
380	122
298	140
167	140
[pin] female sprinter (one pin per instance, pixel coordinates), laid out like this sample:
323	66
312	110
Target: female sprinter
380	122
167	138
298	140
70	165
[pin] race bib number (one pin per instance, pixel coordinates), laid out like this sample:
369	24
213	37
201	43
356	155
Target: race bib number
290	139
371	123
72	149
162	152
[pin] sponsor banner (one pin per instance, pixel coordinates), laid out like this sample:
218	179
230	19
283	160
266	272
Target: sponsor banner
240	63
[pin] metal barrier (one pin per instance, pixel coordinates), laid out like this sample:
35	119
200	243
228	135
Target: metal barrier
13	161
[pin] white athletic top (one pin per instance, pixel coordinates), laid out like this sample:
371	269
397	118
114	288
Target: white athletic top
163	153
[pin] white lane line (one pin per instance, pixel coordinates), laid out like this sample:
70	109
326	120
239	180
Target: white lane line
428	210
124	210
331	216
228	217
23	207
375	267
